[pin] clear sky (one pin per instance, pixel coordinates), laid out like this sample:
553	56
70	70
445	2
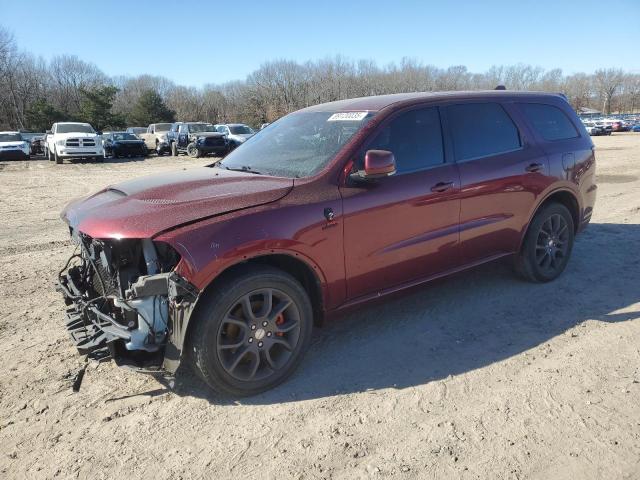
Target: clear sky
195	42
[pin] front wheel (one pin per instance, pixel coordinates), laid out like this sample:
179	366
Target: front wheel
547	245
251	332
57	157
174	149
192	150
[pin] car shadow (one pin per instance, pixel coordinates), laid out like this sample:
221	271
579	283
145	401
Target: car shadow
82	161
459	324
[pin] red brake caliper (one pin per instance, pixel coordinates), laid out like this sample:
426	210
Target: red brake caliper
279	321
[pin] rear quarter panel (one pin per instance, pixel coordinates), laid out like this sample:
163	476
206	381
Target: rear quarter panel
571	164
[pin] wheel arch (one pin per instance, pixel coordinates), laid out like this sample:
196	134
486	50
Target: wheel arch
298	268
562	196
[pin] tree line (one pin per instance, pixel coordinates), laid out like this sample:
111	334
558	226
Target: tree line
35	93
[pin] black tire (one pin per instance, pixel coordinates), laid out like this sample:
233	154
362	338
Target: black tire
210	352
547	245
49	156
57	158
174	149
193	151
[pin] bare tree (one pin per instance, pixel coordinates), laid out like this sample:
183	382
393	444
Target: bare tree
608	81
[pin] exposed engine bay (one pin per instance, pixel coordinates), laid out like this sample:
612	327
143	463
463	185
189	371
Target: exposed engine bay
118	297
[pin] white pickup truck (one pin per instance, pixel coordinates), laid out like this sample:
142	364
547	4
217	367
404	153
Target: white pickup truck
73	140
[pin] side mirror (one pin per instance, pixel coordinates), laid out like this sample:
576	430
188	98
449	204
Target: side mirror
48	132
377	164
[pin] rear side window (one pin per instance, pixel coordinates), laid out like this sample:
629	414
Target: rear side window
481	129
414	138
550	122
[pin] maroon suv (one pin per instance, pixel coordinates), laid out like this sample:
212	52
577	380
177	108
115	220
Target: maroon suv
231	265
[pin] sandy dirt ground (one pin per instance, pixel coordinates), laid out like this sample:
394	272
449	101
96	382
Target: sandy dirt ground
477	376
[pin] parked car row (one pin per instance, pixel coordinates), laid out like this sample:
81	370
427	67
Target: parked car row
69	140
607	125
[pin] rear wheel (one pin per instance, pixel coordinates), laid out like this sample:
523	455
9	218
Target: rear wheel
547	245
251	333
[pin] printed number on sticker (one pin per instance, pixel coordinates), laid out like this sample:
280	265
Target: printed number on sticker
347	116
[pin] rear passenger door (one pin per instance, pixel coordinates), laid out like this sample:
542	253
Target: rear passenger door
502	172
403	227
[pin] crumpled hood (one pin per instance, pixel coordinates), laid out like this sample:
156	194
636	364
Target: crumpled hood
147	206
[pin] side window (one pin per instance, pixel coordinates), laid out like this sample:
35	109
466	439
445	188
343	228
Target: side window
481	129
550	122
182	128
414	138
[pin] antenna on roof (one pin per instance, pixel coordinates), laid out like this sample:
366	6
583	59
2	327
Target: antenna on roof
500	87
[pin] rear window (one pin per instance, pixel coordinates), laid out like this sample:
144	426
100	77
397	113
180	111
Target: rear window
481	129
550	122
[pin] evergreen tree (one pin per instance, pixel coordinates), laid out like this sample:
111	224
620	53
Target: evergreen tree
95	108
41	115
150	108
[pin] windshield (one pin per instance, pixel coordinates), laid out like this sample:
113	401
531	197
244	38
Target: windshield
163	127
298	145
74	128
10	137
201	127
124	136
240	130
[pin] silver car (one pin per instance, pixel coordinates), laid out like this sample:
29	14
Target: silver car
236	133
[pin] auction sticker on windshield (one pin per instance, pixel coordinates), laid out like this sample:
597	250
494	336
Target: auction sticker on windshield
347	116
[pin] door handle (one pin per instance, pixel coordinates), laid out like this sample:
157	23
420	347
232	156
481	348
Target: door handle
442	187
534	167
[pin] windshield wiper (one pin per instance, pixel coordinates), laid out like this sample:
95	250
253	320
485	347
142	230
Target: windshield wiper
243	168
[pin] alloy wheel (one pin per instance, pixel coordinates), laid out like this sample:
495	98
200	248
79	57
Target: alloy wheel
258	335
552	244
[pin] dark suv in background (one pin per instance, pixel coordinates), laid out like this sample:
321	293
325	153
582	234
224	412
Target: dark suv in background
231	265
197	139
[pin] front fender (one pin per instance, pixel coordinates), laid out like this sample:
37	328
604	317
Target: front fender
210	247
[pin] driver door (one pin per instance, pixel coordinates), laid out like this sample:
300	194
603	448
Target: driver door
403	228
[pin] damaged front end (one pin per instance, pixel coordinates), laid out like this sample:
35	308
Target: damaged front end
126	302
